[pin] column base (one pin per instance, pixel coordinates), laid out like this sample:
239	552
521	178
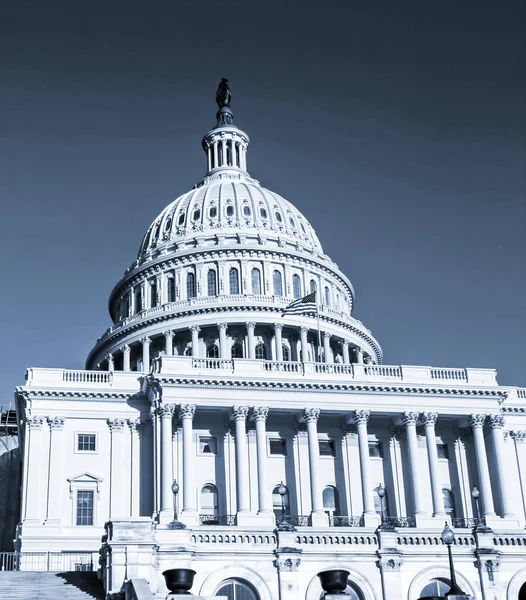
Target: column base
319	519
165	516
189	517
371	520
248	519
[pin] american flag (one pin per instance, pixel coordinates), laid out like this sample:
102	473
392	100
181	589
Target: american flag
302	305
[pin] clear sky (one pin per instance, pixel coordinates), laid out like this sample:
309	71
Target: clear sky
397	128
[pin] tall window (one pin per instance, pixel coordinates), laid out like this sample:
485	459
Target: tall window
331	501
234	589
138	298
276	503
190	285
449	502
436	587
233	278
286	352
296	286
212	283
277	284
84	507
212	352
171	289
260	352
327	296
153	293
209	501
237	351
256	281
313	286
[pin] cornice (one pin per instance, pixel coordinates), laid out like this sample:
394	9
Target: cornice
81	396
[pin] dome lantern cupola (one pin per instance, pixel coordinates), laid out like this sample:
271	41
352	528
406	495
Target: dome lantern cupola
226	145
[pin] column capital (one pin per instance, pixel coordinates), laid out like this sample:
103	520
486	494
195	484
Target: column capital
56	423
410	418
362	416
429	419
496	421
167	411
260	413
344	343
125	349
146	341
222	326
195	329
135	425
326	336
304	330
518	436
250	325
109	358
311	415
35	422
477	421
116	425
187	411
239	413
358	350
278	326
169	334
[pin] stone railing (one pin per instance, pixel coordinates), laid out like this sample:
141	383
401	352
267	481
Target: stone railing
319	538
87	376
346	521
48	561
467	522
400	521
82	379
233	537
217	521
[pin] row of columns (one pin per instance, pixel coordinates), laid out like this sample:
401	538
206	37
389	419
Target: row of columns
224	347
310	417
217	153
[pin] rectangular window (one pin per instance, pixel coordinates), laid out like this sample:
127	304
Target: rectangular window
207	445
86	442
327	448
84	507
376	450
442	451
277	447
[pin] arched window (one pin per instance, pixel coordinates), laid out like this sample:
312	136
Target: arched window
313	286
278	217
327	296
181	219
197	214
171	289
190	285
212	282
209	501
331	501
260	352
235	589
352	592
436	587
276	281
230	211
236	351
212	352
256	281
138	299
246	210
286	352
449	502
296	286
213	212
276	503
233	278
378	503
263	213
153	294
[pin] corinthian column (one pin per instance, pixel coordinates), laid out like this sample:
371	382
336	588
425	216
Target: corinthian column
311	418
166	413
304	344
169	342
56	425
410	420
361	418
189	513
250	339
496	424
195	329
259	415
278	327
345	352
125	357
477	424
223	350
430	420
146	341
239	415
327	347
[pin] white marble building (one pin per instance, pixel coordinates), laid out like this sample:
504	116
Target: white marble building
201	380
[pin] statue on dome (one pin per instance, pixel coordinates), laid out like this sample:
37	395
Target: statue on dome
223	94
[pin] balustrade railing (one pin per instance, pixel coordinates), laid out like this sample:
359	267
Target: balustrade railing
212	363
467	522
283	367
334	368
46	561
400	521
87	376
346	521
449	374
296	520
224	520
383	371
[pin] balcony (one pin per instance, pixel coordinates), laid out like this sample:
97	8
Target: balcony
339	521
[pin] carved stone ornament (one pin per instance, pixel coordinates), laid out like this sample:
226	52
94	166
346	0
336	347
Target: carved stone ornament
135	425
260	413
496	421
519	437
222	326
146	341
250	325
429	419
169	334
389	564
287	564
195	329
326	336
312	415
362	416
126	349
477	421
116	425
278	326
410	418
186	411
239	413
35	422
56	423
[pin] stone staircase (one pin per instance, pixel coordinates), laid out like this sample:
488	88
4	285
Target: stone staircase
26	585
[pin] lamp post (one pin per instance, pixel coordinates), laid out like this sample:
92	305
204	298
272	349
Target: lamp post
283	525
175	524
448	537
380	490
475	494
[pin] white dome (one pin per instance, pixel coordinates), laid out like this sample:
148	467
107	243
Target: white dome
233	204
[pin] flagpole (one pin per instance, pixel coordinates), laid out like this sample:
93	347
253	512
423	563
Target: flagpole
319	332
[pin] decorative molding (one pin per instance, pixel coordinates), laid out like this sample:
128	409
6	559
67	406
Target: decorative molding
389	564
287	564
519	437
195	329
496	421
56	423
125	349
169	334
145	341
116	425
35	422
250	325
135	425
239	413
278	326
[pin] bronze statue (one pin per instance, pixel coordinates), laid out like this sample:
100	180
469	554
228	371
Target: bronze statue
223	95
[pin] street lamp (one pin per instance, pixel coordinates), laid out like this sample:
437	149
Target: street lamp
380	490
475	494
448	537
175	524
282	491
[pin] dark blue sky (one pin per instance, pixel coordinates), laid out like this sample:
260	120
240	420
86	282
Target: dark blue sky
397	128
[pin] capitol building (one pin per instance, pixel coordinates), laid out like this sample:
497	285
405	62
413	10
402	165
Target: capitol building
219	429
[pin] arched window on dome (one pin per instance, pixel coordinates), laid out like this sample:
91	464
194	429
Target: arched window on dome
236	351
449	502
246	210
296	286
212	282
181	219
190	285
197	214
153	293
209	502
260	352
277	283
230	210
170	289
436	587
213	212
138	298
256	281
331	501
212	352
286	353
236	589
292	224
327	296
313	286
233	278
279	218
262	213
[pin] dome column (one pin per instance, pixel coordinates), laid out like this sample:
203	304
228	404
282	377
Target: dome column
278	327
327	352
126	357
223	350
169	337
359	355
345	352
111	363
195	329
304	344
251	350
318	516
146	341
